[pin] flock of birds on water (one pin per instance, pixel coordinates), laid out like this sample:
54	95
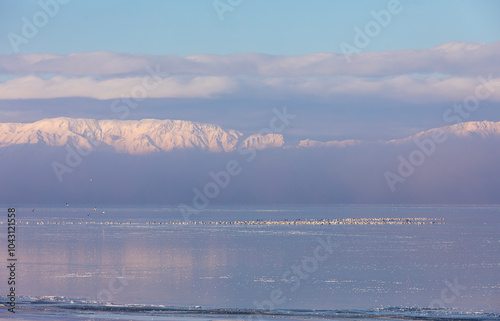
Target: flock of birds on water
346	221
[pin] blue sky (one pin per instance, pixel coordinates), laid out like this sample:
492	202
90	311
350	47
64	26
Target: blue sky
287	27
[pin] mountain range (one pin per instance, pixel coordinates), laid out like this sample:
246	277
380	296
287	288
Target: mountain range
152	135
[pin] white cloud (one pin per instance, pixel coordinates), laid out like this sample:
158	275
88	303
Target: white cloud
445	72
454	58
32	87
400	88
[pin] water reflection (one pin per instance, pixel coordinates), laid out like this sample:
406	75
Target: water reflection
235	266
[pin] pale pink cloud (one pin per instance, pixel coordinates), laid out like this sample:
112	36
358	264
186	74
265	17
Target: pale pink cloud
32	87
454	58
443	73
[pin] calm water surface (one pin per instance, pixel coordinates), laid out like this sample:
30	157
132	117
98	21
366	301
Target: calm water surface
119	257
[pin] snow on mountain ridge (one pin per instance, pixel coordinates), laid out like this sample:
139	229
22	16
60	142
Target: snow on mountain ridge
153	135
125	136
482	129
263	141
468	129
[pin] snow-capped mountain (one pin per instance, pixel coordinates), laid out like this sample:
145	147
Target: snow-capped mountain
131	136
151	135
481	129
263	141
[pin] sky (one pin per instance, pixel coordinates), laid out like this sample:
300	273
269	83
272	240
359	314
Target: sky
286	27
369	70
231	62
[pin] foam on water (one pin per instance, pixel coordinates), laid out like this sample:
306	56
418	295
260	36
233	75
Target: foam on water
55	308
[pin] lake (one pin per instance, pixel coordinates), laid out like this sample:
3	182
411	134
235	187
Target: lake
146	263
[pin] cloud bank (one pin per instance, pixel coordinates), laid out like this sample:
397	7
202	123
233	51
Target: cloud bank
442	73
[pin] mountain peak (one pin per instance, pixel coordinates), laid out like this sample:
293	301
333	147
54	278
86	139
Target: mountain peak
154	135
130	136
479	128
482	129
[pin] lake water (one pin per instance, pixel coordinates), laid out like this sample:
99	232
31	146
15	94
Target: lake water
81	264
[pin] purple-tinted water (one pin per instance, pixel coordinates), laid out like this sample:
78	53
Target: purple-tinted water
125	257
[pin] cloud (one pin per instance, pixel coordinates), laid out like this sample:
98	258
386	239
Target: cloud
400	88
442	73
454	58
32	87
100	63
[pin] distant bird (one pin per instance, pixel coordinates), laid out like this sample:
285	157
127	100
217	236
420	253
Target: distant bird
91	180
95	208
33	210
67	204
